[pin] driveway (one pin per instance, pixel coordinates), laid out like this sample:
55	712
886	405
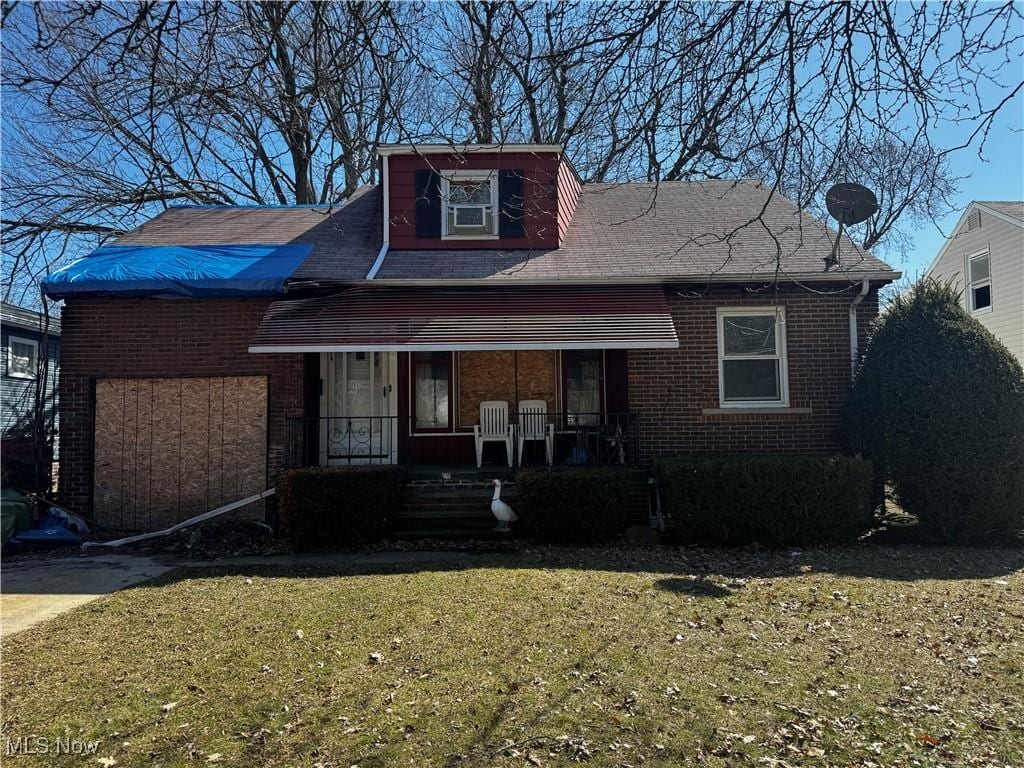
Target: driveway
32	591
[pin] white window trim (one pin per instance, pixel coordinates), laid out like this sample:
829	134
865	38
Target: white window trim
492	177
971	285
779	313
10	356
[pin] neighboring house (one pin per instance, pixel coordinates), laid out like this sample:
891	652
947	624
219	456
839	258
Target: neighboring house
641	319
24	345
984	258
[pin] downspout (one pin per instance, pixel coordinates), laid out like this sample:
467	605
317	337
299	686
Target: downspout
385	235
865	286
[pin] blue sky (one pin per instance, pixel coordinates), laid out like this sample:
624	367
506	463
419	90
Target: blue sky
998	174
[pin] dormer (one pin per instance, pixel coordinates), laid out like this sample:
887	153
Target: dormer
476	196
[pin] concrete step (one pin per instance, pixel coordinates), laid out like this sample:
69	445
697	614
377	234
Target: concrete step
446	513
459	534
432	509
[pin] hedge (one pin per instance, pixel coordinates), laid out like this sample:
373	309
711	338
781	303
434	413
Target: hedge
577	507
776	500
938	406
338	507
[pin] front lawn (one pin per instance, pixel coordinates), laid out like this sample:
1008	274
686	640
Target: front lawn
850	657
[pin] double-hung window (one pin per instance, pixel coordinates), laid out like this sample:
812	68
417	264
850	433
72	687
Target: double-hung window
22	357
432	381
752	357
470	200
979	270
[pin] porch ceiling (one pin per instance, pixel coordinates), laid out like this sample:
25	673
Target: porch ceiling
479	318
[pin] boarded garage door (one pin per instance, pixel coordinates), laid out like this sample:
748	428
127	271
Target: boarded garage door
168	449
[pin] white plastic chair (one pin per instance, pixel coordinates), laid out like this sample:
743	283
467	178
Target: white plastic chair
493	428
533	425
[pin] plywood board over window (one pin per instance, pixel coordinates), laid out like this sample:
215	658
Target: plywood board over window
168	449
491	376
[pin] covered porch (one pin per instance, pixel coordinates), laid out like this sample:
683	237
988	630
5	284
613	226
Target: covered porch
456	379
468	410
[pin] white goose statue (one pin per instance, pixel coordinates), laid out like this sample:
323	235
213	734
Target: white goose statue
500	509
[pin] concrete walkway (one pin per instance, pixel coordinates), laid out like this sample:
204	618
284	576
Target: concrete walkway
32	591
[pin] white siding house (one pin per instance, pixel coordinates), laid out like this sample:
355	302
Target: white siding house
984	258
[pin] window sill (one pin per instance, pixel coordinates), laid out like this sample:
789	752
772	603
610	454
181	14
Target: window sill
21	376
745	411
983	311
470	237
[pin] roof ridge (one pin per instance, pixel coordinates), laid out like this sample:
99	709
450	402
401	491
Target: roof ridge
677	181
254	206
358	192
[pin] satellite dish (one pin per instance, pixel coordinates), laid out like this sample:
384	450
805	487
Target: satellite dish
848	204
851	203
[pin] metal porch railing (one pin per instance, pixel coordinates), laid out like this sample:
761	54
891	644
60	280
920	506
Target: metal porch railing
580	439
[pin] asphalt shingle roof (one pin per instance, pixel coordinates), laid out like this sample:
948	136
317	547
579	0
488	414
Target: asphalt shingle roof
663	231
1014	208
636	231
345	240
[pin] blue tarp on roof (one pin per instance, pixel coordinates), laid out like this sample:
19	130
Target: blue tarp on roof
193	271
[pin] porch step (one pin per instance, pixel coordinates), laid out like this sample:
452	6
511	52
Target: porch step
457	534
447	526
426	522
459	475
432	509
456	494
445	513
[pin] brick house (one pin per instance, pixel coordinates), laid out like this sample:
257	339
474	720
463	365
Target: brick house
636	319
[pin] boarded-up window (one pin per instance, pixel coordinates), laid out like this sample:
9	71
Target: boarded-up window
168	449
491	376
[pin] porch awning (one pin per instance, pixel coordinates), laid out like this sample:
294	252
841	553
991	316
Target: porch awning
470	318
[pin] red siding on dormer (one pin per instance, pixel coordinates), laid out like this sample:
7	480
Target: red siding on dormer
540	192
569	190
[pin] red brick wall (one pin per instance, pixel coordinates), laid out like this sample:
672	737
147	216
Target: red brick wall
540	197
671	389
161	338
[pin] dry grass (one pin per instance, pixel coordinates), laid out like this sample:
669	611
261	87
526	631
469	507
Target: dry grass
850	657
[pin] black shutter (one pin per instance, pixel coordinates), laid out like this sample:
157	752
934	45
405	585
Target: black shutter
428	204
510	203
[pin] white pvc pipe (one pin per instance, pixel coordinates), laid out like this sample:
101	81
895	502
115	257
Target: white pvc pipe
185	523
854	345
385	192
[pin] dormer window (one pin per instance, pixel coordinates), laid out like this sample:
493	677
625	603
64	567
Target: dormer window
470	200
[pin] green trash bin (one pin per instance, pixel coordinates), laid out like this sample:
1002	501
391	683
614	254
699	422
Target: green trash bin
15	512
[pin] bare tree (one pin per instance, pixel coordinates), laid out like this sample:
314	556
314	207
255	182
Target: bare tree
117	109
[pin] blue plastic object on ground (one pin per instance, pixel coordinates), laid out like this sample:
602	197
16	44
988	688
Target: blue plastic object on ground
50	531
191	271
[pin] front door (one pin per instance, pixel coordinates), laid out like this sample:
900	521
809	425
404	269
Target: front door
357	403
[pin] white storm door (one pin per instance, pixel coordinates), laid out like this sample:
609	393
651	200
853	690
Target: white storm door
357	403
